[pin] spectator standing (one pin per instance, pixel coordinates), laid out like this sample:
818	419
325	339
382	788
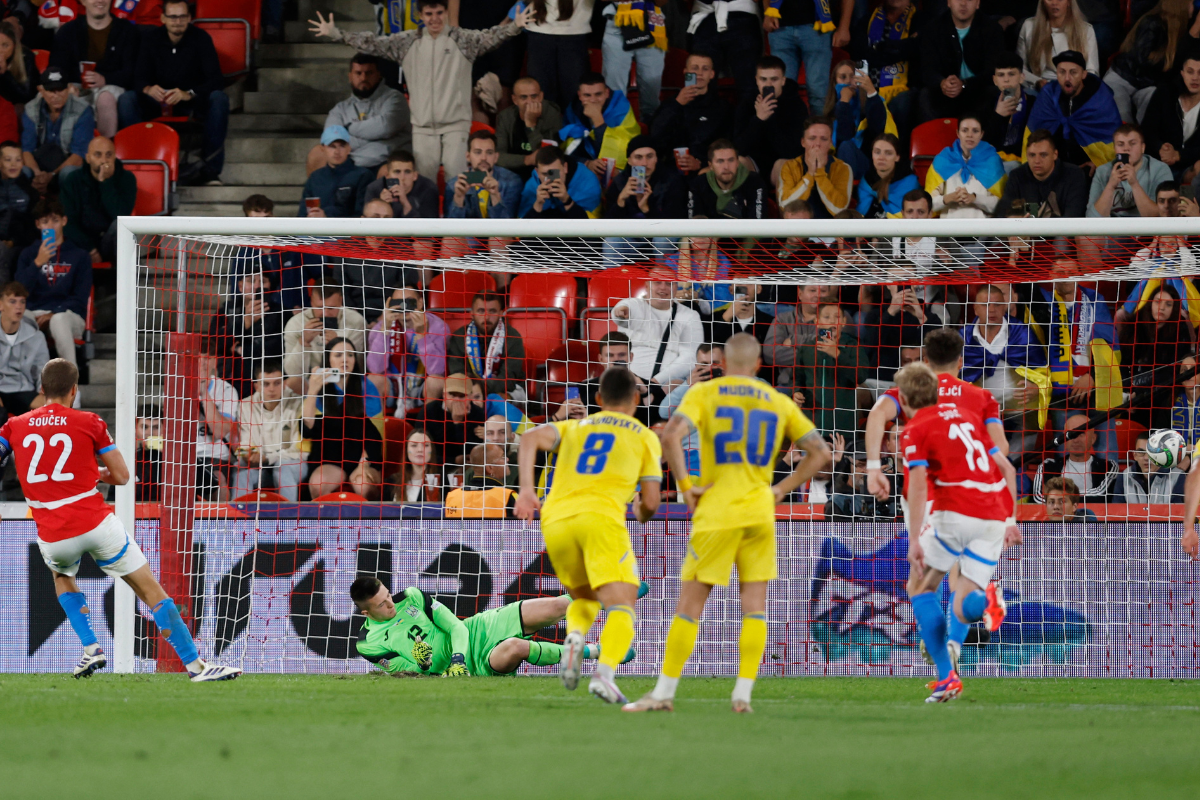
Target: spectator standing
967	178
883	187
110	46
17	199
1140	484
1124	187
818	177
557	46
767	124
599	123
485	191
1094	476
695	117
524	126
1149	53
1059	25
1044	186
635	31
659	194
859	115
887	40
827	373
58	275
1079	110
339	186
375	115
23	353
728	189
179	74
407	346
959	48
802	30
1006	110
306	334
94	197
270	435
409	193
488	350
732	33
18	67
1171	121
438	75
663	334
560	188
55	130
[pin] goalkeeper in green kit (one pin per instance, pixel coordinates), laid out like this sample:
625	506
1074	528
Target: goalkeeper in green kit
410	632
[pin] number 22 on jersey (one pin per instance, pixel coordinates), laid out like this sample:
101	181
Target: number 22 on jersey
38	444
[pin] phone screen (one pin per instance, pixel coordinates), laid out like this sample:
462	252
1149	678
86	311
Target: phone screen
48	237
392	183
553	175
638	174
476	176
689	79
768	91
1122	158
1187	191
573	393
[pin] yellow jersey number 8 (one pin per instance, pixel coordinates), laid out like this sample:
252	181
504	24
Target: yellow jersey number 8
594	456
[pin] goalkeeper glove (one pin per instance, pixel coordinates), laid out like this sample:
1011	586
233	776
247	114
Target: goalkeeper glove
422	653
458	666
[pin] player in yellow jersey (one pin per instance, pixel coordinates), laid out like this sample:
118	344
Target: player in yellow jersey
601	460
742	422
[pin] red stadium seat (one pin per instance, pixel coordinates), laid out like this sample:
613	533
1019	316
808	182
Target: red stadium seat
154	186
232	40
1127	432
249	10
596	59
929	139
454	318
455	289
261	496
42	59
570	363
151	141
543	291
596	323
673	66
542	331
340	497
481	126
604	292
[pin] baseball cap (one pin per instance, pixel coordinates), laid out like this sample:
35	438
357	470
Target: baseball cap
53	80
335	133
458	383
1072	56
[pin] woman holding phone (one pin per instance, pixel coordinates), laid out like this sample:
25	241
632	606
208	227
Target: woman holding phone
345	444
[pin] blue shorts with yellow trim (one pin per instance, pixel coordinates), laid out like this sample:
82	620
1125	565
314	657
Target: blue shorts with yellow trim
711	555
590	549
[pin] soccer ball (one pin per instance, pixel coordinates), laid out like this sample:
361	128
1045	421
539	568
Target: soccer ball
1165	448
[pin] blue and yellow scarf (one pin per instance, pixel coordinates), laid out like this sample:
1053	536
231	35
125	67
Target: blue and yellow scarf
892	79
824	22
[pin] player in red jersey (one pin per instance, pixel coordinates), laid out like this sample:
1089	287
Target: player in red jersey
55	448
943	354
973	488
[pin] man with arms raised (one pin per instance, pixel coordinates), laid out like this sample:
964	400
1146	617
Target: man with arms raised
742	423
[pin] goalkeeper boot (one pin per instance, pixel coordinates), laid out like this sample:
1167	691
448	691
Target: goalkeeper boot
572	658
90	662
648	702
946	690
993	615
605	688
214	672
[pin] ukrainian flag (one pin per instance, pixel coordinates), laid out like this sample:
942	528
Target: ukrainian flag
1091	125
620	127
984	165
1189	296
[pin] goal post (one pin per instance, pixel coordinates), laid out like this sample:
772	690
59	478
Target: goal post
263	578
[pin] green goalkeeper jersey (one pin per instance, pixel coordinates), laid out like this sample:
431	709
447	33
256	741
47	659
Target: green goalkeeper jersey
419	618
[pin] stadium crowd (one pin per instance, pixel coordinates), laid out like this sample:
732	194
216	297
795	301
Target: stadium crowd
631	110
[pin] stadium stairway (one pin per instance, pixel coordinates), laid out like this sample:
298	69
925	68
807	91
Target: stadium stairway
297	83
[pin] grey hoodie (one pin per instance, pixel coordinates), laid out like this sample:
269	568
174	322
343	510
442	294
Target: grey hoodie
21	362
378	124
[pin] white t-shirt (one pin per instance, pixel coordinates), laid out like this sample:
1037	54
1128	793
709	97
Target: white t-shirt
12	337
226	398
1080	473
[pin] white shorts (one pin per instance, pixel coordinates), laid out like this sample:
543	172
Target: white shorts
904	508
109	544
974	544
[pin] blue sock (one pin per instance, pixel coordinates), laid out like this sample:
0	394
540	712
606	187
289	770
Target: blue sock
74	604
166	617
973	605
956	628
931	622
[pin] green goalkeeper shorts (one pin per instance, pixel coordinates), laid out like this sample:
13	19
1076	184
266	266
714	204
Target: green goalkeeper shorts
488	629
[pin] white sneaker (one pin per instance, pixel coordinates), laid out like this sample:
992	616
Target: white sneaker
90	663
215	672
572	658
606	690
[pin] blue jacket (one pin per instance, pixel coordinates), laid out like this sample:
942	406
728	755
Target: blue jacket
582	185
341	190
64	284
1022	350
510	198
1185	420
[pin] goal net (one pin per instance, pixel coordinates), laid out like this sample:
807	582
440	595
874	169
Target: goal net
309	401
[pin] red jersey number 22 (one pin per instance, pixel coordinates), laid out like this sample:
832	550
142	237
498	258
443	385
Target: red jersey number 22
38	444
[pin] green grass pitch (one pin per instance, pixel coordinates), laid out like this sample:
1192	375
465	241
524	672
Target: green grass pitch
159	736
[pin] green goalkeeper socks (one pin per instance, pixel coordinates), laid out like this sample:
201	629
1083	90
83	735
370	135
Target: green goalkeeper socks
544	654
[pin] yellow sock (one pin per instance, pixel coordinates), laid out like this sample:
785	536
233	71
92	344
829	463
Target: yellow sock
581	614
751	645
681	640
617	635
